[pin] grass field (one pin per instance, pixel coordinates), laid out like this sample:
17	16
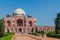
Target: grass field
7	36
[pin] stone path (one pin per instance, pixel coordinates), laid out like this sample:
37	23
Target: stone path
48	38
19	36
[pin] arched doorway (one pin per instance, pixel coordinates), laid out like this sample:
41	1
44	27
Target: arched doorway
19	22
30	23
24	30
8	31
9	23
20	30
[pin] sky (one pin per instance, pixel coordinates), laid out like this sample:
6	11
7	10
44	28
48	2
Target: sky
44	11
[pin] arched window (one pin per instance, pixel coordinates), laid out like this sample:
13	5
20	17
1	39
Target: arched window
9	23
28	30
24	30
40	29
19	22
15	29
12	30
44	29
30	23
48	29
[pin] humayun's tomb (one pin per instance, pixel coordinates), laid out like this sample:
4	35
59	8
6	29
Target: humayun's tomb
20	23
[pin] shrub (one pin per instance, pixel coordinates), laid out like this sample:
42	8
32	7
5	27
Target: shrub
38	31
52	32
54	35
36	34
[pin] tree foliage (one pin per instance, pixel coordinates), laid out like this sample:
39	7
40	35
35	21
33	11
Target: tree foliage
57	24
1	28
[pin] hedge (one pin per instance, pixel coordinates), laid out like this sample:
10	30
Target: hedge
54	35
36	34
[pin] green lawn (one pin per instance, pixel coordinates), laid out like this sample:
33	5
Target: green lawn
7	36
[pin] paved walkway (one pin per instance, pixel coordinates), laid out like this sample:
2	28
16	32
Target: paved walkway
19	36
48	38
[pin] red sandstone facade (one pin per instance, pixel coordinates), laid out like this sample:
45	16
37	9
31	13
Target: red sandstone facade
46	28
20	23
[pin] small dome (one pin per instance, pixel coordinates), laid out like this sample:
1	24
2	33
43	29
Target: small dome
29	15
8	15
19	11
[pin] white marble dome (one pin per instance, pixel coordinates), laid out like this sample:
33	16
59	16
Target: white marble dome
19	11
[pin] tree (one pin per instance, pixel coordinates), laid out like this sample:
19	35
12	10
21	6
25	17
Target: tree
57	24
1	28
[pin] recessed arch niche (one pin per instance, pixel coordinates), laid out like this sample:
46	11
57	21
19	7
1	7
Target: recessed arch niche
9	23
30	23
19	22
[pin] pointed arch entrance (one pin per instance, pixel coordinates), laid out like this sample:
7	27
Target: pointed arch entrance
20	29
